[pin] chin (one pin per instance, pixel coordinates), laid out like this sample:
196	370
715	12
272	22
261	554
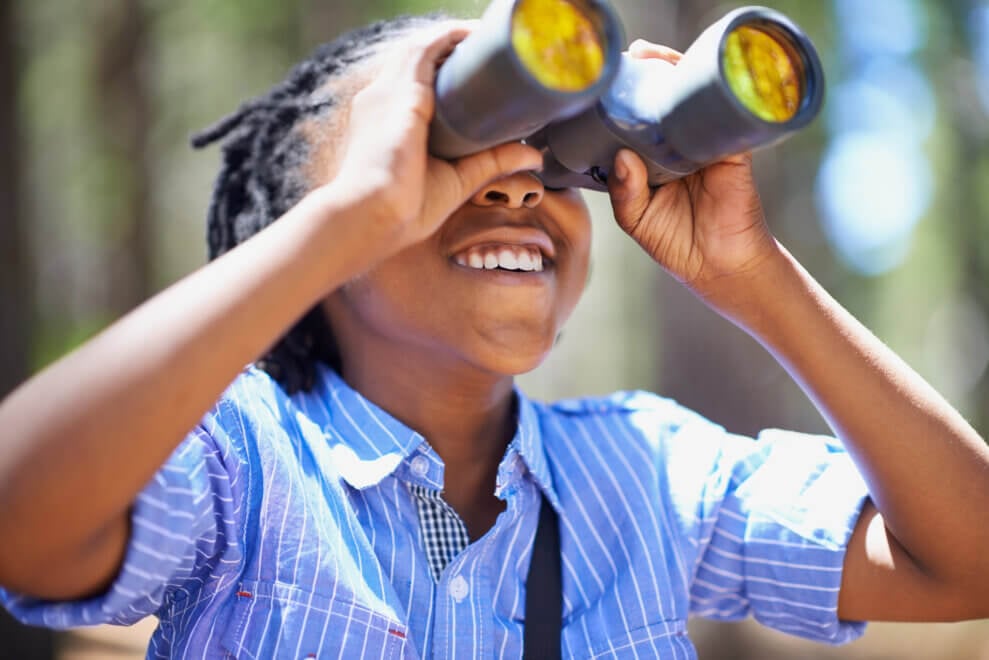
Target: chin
517	367
518	359
511	346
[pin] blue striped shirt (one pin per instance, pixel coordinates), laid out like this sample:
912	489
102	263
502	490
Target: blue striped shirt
284	527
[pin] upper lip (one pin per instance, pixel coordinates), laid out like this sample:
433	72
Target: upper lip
521	235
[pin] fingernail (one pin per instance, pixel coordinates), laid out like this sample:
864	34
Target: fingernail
621	169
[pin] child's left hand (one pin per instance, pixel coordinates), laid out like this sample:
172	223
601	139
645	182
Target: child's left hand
703	228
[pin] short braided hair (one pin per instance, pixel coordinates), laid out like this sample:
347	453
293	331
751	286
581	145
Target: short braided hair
262	176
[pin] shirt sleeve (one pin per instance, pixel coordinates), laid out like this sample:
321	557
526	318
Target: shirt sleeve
182	523
767	522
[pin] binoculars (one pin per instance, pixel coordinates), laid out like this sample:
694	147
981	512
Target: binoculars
551	73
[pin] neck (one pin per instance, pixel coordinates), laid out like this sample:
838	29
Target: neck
465	421
467	416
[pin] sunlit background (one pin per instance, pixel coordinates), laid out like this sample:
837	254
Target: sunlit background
884	199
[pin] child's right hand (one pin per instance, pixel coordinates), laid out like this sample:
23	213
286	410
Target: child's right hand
386	167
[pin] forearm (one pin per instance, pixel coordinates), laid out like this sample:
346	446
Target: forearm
927	469
82	437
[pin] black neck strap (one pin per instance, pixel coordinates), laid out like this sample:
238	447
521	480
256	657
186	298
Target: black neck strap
544	591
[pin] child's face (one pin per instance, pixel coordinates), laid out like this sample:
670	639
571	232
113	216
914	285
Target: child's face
432	302
429	299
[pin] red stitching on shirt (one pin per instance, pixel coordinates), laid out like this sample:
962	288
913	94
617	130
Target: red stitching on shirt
245	594
397	633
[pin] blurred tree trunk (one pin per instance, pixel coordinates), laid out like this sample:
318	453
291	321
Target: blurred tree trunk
971	215
322	21
124	103
16	641
15	279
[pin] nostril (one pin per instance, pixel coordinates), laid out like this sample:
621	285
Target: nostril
530	199
496	196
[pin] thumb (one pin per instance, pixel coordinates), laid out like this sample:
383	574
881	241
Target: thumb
478	169
628	189
453	183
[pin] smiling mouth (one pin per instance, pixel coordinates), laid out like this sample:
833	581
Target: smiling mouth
515	258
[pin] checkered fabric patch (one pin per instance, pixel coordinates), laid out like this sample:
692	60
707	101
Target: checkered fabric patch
442	529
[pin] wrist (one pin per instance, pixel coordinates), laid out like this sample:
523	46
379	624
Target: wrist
751	296
375	194
344	233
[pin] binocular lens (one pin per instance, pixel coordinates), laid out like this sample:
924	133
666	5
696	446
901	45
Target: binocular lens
558	44
765	72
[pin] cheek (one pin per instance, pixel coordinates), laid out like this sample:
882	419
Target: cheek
398	299
579	235
574	288
379	300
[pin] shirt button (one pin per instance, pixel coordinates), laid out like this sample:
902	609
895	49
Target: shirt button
420	466
458	588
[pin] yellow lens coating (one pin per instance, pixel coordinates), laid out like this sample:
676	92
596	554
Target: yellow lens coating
766	76
558	44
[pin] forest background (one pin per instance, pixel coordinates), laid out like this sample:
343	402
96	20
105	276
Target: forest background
883	198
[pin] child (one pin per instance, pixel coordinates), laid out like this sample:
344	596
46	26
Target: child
371	486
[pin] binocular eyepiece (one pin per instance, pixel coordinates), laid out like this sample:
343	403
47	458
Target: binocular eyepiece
551	72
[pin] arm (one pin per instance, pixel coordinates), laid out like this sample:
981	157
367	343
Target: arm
919	553
95	426
82	438
924	557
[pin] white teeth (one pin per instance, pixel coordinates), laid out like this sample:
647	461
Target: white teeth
506	257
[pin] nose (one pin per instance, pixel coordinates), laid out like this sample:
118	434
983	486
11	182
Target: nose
515	191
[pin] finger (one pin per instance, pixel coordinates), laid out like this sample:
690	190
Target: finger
415	56
629	190
478	169
435	45
408	67
642	49
744	158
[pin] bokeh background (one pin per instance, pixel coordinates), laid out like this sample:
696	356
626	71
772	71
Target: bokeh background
884	199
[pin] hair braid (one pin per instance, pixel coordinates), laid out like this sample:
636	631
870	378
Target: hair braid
262	177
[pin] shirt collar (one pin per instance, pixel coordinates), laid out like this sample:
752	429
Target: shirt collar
369	444
529	443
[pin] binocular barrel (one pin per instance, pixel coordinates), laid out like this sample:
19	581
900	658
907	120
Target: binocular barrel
747	82
528	63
